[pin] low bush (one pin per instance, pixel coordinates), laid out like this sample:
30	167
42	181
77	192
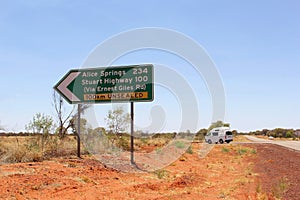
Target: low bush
15	149
161	173
189	150
179	144
225	150
242	151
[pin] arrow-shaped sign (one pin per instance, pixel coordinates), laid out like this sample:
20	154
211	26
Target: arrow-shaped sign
98	85
62	87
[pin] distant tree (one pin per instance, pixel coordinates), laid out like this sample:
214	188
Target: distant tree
66	119
201	133
218	124
40	123
296	134
117	120
234	132
99	131
257	132
83	122
94	136
290	134
84	128
264	131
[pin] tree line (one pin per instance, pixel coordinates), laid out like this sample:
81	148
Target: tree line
276	133
117	121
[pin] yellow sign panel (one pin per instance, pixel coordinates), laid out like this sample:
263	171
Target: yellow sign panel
116	96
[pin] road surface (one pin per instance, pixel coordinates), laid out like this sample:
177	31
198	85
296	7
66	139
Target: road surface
295	145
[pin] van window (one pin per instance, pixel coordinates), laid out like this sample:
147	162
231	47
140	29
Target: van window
208	134
228	133
215	133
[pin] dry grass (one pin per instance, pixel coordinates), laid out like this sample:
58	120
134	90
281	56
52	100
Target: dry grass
240	138
280	187
157	142
15	149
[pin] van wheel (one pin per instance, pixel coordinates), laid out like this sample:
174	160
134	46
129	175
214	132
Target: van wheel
221	141
209	142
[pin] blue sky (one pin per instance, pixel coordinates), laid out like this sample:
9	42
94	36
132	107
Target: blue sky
255	46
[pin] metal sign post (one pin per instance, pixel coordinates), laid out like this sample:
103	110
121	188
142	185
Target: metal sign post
78	131
131	133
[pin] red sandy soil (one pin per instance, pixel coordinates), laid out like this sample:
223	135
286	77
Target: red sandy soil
220	175
279	170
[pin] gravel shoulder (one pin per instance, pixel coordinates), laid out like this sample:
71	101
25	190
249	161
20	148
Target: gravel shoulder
278	170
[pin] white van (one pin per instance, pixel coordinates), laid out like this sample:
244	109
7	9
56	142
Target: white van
219	135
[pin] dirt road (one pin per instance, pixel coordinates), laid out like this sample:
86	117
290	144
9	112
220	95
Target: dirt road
289	144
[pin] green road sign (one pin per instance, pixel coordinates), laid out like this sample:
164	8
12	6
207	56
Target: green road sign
98	85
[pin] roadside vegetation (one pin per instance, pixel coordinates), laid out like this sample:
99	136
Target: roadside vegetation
35	147
48	136
43	140
276	133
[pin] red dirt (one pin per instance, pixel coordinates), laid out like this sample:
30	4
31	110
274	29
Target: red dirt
279	170
220	175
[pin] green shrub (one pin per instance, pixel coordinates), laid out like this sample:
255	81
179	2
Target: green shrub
281	187
161	173
179	144
225	150
189	150
253	151
242	151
